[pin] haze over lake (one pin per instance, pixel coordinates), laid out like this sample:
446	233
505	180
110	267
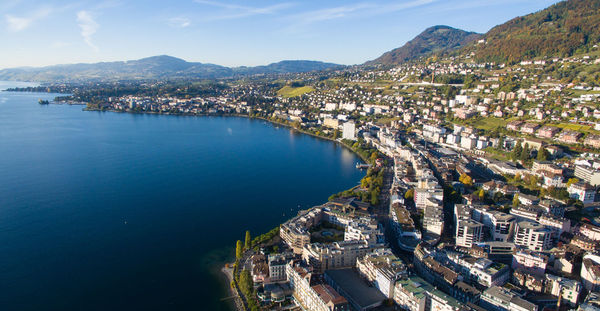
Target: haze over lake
105	211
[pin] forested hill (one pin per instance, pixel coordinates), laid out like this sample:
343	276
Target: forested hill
563	29
432	40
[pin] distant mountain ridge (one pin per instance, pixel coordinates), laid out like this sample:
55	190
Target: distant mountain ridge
155	67
432	40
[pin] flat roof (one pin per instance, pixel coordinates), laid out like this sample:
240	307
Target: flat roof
355	287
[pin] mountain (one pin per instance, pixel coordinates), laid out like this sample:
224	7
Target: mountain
433	40
156	67
562	29
288	66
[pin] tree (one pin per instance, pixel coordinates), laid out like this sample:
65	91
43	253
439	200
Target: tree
481	194
410	194
516	200
239	251
248	242
543	154
572	181
374	156
466	180
524	156
516	152
246	283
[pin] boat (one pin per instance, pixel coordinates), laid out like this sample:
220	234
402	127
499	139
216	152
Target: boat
43	102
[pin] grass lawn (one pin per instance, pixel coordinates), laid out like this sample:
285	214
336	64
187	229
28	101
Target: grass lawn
576	127
288	91
489	123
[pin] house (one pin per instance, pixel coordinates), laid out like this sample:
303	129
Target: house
529	128
569	137
592	140
547	131
514	125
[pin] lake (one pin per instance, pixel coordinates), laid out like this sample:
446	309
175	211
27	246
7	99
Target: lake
114	211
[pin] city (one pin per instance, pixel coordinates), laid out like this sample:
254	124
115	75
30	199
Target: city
480	165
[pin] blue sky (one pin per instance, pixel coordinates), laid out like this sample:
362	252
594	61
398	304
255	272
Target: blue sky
231	32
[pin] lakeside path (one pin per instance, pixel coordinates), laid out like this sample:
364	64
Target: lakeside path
237	300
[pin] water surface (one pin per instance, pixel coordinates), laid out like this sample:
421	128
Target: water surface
113	211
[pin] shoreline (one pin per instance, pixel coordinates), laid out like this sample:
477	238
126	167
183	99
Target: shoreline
238	303
238	115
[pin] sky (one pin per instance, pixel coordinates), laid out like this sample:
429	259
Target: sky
232	32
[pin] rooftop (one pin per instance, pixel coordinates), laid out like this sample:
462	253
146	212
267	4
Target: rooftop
355	287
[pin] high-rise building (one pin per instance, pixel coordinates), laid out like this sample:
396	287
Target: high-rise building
349	131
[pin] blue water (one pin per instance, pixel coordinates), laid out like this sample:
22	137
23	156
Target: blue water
112	211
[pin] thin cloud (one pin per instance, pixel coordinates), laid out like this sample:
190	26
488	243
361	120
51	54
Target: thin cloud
88	27
359	10
240	11
19	23
179	22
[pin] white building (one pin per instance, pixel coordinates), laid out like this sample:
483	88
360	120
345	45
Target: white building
532	262
468	232
582	191
532	236
590	272
349	131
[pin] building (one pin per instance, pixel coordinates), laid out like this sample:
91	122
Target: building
527	199
529	128
590	272
382	269
331	123
349	131
294	232
590	231
336	255
416	294
532	236
468	232
582	191
312	296
547	131
501	299
569	137
588	174
592	140
277	263
567	289
489	273
349	284
364	229
531	262
433	219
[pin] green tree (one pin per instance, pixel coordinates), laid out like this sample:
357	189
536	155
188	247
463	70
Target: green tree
516	152
248	241
524	156
239	250
516	201
246	283
543	154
